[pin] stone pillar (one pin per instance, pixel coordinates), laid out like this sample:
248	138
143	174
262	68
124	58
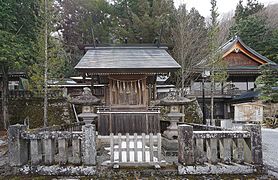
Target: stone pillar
35	151
238	150
253	146
49	151
200	156
18	147
63	150
76	152
186	144
89	144
225	150
212	150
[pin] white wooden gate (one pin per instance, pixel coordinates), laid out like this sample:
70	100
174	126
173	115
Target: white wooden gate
135	148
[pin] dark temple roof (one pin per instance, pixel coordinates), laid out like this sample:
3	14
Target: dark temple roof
127	60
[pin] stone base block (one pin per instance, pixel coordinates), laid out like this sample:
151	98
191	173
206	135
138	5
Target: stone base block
217	169
169	147
56	170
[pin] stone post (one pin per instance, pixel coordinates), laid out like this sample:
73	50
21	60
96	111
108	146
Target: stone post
253	147
89	144
18	147
185	142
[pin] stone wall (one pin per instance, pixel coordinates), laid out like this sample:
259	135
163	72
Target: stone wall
59	111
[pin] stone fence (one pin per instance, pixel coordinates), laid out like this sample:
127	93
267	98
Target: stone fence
199	147
52	147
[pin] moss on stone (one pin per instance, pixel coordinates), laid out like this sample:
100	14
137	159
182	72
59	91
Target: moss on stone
59	111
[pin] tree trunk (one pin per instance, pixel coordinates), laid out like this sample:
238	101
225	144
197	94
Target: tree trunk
212	99
45	104
5	82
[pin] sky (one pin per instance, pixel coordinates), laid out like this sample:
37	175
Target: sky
224	6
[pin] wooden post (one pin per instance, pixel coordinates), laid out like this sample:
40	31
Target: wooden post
151	147
143	147
112	147
158	147
135	148
127	148
120	146
147	123
185	144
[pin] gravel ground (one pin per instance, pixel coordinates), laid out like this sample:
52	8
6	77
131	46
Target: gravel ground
270	149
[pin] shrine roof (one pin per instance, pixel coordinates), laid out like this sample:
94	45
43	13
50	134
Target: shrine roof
140	59
233	43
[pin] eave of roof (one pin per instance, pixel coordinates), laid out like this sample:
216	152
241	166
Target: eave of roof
127	60
230	45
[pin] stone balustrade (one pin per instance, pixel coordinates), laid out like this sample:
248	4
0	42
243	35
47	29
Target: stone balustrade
52	147
199	147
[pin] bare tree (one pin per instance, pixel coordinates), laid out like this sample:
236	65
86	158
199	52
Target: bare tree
190	43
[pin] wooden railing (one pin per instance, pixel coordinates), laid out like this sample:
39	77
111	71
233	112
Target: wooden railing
135	149
217	92
128	122
199	147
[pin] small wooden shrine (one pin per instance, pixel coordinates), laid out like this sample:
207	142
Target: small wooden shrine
126	78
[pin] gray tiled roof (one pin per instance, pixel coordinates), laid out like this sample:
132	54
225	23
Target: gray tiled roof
127	60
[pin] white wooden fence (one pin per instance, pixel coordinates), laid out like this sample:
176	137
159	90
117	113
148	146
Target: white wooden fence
135	148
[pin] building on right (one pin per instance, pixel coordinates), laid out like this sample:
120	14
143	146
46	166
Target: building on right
242	67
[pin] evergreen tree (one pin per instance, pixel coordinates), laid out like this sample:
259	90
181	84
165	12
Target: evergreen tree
267	83
218	72
250	26
18	35
147	19
83	22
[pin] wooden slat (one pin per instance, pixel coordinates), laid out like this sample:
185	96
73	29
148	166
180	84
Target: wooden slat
120	146
159	147
143	147
127	148
147	123
112	147
151	147
135	148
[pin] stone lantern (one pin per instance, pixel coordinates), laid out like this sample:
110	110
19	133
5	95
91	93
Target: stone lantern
174	102
88	102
